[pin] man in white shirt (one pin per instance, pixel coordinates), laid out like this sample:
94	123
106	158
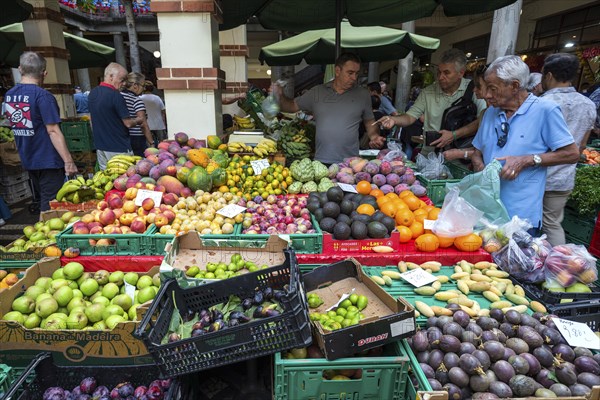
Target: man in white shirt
156	115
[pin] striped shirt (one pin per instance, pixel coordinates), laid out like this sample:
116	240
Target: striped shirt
134	104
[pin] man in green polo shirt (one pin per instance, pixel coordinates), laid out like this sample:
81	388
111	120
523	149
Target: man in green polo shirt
436	98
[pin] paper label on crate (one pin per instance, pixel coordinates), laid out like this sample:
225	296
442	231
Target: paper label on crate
143	194
428	224
418	277
344	297
577	334
259	165
402	327
347	188
231	210
130	290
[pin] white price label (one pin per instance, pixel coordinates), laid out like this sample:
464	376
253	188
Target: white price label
231	210
344	297
347	188
259	165
143	194
577	334
130	290
418	277
428	224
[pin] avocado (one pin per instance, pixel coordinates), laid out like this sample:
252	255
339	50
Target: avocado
377	230
359	230
346	207
388	222
348	196
378	216
322	198
335	193
357	198
354	214
344	218
318	214
313	196
313	204
368	199
331	209
327	224
364	218
341	231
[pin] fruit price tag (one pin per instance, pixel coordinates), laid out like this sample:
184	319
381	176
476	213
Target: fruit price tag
130	290
259	165
344	297
428	223
418	277
231	210
577	334
347	188
143	194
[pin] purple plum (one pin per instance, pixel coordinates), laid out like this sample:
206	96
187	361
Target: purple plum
54	393
88	385
125	389
379	180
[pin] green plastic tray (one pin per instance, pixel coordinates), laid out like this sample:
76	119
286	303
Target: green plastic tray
155	242
7	377
458	169
382	377
436	189
578	226
125	244
78	135
302	243
421	379
8	265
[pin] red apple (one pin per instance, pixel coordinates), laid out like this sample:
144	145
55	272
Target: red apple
107	217
80	228
118	212
170	199
148	204
115	202
96	230
138	225
169	214
102	204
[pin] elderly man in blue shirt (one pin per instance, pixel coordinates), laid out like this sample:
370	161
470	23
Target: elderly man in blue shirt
526	134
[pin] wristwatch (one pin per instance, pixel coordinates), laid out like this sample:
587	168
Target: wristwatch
537	160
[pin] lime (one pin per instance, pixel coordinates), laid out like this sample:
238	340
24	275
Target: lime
353	298
352	309
341	311
331	314
346	303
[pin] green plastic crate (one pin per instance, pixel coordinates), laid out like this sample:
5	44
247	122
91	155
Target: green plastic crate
155	242
78	135
421	380
130	244
578	226
458	169
302	243
436	189
383	377
7	377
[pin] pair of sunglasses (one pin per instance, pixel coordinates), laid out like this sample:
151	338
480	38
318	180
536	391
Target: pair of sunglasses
502	139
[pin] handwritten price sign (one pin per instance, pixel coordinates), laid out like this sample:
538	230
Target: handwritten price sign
143	194
418	277
347	188
577	334
231	210
259	165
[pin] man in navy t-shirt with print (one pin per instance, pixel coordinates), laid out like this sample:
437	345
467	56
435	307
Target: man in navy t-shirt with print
35	120
110	116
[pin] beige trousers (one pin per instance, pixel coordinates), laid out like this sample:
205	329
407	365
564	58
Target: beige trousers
554	212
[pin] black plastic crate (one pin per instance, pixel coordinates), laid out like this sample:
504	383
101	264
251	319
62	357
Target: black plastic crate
42	373
548	298
247	341
587	312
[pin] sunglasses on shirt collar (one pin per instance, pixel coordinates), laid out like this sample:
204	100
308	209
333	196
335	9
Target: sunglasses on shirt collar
502	139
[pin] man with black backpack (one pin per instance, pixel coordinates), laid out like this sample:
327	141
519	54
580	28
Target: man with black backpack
449	106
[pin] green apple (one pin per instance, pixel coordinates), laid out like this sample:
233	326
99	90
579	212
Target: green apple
28	231
110	290
56	224
112	309
83	277
78	308
58	274
72	270
73	285
101	276
131	278
578	288
63	310
46	307
122	300
37	236
42	297
144	282
67	216
146	294
133	312
156	279
63	296
77	293
75	302
89	287
113	320
101	300
55	324
43	282
34	291
23	304
100	325
116	277
94	313
33	321
77	320
57	284
38	225
14	316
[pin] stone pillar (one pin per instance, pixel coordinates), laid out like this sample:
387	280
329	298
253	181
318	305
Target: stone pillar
44	35
403	79
505	28
190	75
373	72
83	74
119	49
234	55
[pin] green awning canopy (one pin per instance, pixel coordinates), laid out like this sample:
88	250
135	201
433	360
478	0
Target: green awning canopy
374	43
14	11
302	15
84	53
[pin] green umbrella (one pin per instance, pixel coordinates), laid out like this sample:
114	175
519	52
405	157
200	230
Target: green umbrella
83	52
302	15
14	11
369	43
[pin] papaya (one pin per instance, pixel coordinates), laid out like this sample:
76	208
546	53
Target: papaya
213	141
199	179
198	157
219	177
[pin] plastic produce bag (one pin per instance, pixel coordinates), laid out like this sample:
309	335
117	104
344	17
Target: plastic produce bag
432	166
457	217
521	255
569	264
395	152
482	190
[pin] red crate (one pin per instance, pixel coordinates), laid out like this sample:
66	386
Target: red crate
65	205
594	248
330	245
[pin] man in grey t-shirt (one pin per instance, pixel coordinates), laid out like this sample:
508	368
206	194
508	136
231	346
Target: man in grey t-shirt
339	107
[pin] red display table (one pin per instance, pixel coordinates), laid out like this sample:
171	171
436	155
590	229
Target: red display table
115	263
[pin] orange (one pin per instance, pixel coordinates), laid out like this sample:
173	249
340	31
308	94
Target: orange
471	242
365	209
391	196
417	229
404	217
423	205
412	202
429	207
363	187
427	242
405	233
445	241
433	213
400	204
389	209
382	200
405	193
376	193
420	214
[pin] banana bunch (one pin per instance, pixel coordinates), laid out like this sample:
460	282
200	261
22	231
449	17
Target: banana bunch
118	164
300	137
6	134
244	122
296	149
79	190
238	147
265	147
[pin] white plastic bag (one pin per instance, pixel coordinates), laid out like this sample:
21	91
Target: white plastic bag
432	166
395	152
457	217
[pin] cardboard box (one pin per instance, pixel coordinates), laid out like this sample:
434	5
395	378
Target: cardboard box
387	319
18	344
9	154
330	245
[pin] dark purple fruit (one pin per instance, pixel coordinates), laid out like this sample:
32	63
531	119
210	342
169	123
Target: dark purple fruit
442	376
582	351
450	360
458	377
267	293
566	374
470	364
435	385
487	336
494	349
500	389
530	336
503	370
125	389
216	315
484	396
466	348
578	389
433	337
423	357
534	364
512	317
197	332
487	323
461	318
246	304
483	358
522	385
561	390
565	351
233	322
588	379
258	298
54	393
497	314
528	320
587	364
100	391
139	391
427	370
88	385
449	343
517	345
543	378
471	337
431	321
454	392
473	327
420	341
479	383
436	357
444	320
453	329
508	353
519	364
544	356
155	393
507	329
552	336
